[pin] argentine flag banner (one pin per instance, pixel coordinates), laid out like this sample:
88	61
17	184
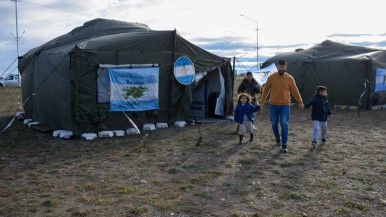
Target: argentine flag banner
380	80
134	89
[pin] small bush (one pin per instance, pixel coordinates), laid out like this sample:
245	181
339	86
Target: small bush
50	203
186	186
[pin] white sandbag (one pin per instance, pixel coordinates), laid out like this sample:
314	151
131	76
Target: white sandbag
65	134
89	136
229	118
27	121
162	125
131	131
56	133
148	127
33	123
20	115
105	133
180	123
119	133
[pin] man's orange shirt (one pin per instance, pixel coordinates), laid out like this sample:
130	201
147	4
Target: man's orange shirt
280	88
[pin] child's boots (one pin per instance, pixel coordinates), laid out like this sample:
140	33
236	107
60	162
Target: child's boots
241	140
251	137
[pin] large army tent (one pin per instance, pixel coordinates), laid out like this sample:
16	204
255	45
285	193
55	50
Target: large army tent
348	72
65	84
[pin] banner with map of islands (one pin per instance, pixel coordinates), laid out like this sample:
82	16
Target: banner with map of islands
133	89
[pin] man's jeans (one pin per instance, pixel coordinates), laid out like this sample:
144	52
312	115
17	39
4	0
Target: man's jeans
280	113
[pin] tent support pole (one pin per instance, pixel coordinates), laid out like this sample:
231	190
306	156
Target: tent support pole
171	75
369	78
234	65
367	86
234	74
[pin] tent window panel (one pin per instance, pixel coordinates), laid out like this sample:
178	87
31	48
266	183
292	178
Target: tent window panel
103	85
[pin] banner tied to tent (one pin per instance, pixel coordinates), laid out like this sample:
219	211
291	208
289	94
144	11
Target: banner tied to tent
380	81
134	89
262	75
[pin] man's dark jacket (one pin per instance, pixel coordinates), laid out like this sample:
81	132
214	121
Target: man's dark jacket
250	88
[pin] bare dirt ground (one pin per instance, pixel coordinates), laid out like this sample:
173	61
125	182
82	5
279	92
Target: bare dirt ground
170	176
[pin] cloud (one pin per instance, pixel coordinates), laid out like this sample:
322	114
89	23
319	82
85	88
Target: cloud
347	35
379	44
229	43
224	46
284	46
221	31
212	40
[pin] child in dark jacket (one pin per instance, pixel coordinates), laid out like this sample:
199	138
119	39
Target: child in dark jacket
320	111
244	116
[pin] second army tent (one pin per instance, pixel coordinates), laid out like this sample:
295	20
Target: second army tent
348	72
62	80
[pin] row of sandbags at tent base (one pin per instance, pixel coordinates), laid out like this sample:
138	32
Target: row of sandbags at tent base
66	134
130	131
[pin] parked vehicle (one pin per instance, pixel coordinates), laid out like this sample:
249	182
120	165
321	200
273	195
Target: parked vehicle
10	81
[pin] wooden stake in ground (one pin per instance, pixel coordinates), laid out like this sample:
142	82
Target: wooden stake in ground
199	141
141	144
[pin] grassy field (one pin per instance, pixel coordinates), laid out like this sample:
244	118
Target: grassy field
170	176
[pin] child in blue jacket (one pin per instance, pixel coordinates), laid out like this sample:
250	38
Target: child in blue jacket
320	111
244	116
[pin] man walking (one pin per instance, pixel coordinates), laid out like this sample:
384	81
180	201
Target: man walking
249	85
280	86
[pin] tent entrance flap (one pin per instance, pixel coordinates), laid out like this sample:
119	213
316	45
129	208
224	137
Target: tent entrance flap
103	85
209	96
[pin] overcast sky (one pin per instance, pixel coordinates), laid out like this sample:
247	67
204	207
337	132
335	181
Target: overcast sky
215	25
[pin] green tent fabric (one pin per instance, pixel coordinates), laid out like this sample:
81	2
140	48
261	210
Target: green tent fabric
59	78
347	71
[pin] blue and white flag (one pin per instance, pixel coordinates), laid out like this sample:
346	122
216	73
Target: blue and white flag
184	70
262	75
133	89
380	80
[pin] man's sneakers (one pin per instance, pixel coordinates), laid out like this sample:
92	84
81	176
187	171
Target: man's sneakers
284	149
323	141
314	142
278	142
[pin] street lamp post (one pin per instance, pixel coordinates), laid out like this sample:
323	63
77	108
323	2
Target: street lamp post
257	40
17	40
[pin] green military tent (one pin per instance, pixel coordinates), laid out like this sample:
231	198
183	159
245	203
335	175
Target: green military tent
348	72
65	85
